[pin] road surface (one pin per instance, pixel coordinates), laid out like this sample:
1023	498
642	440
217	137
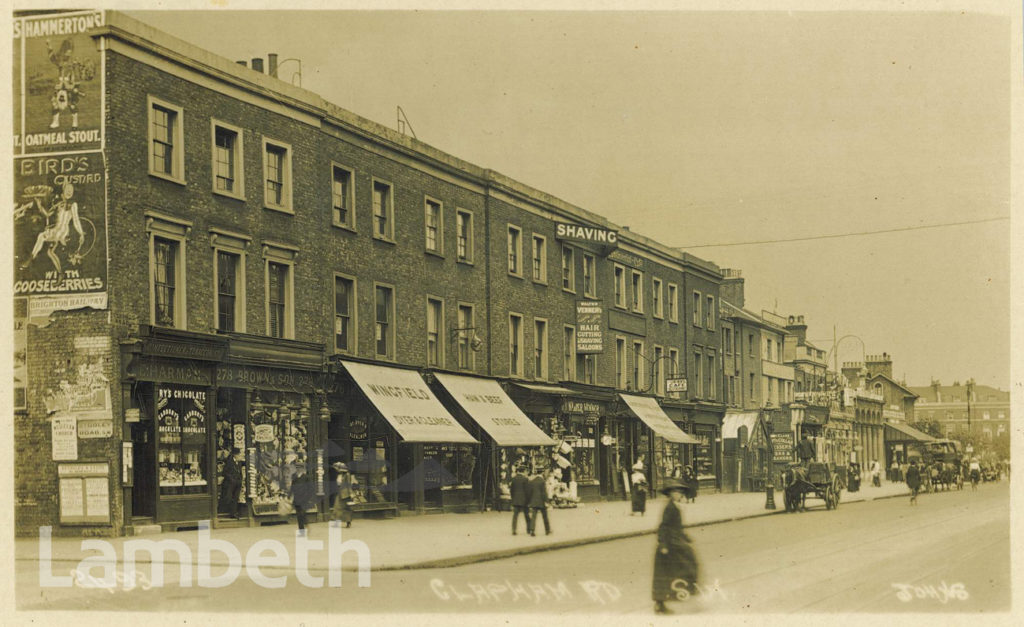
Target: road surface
950	553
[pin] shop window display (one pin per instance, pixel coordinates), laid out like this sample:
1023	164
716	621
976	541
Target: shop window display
703	458
364	444
455	466
182	450
277	433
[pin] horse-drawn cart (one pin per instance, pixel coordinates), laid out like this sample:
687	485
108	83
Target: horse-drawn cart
817	478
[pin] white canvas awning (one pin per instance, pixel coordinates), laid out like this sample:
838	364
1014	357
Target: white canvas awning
407	403
648	410
734	420
494	411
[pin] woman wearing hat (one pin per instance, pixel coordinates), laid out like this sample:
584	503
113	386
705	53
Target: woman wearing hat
639	493
675	563
342	510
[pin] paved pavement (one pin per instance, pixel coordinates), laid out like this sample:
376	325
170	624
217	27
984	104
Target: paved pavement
442	540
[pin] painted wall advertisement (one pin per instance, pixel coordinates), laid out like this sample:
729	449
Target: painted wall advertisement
58	84
782	444
589	336
60	251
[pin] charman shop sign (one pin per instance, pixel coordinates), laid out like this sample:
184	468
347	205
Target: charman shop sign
591	234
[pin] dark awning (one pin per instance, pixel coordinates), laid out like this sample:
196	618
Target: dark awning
899	432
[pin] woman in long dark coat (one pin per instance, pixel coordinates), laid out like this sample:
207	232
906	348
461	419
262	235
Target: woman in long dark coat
675	563
913	480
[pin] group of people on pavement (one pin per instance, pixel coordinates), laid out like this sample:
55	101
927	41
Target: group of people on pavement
529	498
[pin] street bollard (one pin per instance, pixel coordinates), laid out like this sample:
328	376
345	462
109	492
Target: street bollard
769	490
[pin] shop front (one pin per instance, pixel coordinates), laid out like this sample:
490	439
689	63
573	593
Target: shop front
405	450
900	440
270	410
707	429
747	452
574	419
657	438
169	388
508	438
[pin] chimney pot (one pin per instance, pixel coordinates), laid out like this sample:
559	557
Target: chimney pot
257	64
272	64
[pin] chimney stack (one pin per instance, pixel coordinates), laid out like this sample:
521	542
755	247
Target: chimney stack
732	287
272	64
257	64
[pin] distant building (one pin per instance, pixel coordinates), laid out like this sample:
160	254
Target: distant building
987	413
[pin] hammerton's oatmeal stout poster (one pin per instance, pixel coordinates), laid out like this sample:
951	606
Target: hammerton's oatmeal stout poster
58	84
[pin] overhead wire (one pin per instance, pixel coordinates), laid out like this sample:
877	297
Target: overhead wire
854	234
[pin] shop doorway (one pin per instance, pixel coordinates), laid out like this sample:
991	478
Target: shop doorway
143	464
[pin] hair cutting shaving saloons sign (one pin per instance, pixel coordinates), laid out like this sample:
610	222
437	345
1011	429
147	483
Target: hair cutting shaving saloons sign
58	83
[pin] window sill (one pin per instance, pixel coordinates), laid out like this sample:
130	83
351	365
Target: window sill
513	274
344	227
384	240
223	194
539	282
671	321
568	291
585	295
279	209
434	253
167	177
465	262
657	317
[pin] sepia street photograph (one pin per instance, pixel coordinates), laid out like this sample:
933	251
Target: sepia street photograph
532	313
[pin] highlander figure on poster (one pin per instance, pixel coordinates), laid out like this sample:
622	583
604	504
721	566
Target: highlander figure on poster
58	106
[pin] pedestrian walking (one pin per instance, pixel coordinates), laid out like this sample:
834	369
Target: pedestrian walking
639	493
690	484
913	480
519	491
231	486
302	491
975	470
675	563
344	492
538	502
876	473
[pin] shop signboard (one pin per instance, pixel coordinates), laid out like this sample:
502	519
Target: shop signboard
58	84
589	334
675	385
782	445
60	251
586	234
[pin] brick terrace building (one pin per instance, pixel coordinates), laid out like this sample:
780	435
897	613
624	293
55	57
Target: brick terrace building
291	280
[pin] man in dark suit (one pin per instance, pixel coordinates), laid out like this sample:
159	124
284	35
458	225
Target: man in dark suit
519	490
538	503
805	450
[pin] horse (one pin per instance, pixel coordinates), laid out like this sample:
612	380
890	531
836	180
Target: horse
795	495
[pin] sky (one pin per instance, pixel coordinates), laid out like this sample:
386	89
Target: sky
703	128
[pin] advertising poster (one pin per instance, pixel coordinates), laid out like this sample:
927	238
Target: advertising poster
58	84
60	247
20	353
64	437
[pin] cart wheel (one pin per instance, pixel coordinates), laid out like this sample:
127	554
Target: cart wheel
828	498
